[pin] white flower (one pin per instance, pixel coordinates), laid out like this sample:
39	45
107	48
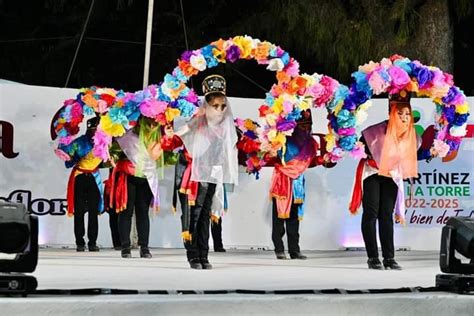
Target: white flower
275	65
198	62
458	131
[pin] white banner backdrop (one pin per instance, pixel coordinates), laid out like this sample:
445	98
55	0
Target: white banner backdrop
30	173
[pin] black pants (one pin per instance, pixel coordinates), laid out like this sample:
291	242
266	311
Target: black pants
138	199
86	200
292	227
216	231
378	202
199	217
114	229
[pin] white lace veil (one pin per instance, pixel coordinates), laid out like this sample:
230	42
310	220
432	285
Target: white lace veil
211	141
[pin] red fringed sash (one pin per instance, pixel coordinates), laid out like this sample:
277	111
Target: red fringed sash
70	187
356	199
117	185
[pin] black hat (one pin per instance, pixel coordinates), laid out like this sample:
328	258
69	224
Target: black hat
93	122
305	118
402	97
214	84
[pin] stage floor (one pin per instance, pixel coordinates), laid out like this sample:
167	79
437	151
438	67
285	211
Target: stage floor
235	270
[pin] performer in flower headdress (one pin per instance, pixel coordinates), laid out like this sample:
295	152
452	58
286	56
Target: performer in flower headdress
85	188
391	148
133	184
207	164
287	188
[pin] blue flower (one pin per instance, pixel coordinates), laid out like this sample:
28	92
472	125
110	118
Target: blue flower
171	81
345	119
117	116
347	142
360	78
285	58
179	75
405	64
294	115
187	109
269	99
87	110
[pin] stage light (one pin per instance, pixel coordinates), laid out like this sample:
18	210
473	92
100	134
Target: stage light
457	237
19	237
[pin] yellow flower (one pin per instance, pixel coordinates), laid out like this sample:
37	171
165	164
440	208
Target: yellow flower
110	128
244	44
248	124
171	113
278	105
463	108
219	54
305	104
338	107
330	142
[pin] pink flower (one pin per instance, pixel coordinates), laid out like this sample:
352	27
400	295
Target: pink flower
66	140
346	131
330	85
62	155
359	151
101	144
76	111
152	108
399	77
192	97
377	83
441	147
101	106
293	68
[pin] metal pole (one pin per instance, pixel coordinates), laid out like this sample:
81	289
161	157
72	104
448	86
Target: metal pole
79	44
149	24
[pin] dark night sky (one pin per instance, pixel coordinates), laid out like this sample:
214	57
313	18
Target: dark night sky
112	51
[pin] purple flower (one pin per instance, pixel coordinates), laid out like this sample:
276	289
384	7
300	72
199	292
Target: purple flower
186	55
449	112
460	119
451	96
346	131
233	53
453	144
423	76
284	125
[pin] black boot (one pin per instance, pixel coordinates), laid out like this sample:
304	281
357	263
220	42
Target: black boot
94	248
297	255
374	263
145	252
391	264
126	252
195	264
280	255
205	264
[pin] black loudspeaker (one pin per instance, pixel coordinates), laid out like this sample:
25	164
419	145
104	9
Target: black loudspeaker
457	237
19	238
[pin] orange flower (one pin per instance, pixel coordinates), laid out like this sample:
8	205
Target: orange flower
186	68
262	51
282	76
219	44
89	100
297	84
